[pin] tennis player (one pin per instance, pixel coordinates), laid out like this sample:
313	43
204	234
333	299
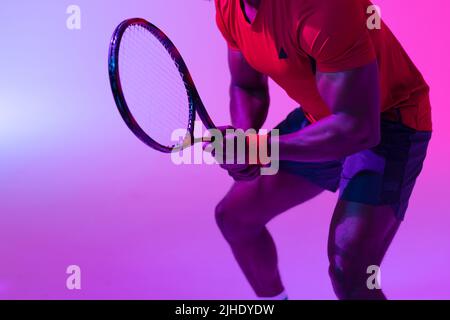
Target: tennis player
363	128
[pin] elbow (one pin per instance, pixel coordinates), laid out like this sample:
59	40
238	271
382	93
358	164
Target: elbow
367	139
372	140
364	136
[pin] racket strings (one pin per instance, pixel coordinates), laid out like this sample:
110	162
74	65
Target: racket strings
158	71
152	85
149	54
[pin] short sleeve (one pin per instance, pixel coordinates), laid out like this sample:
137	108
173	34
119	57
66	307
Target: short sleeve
223	27
335	34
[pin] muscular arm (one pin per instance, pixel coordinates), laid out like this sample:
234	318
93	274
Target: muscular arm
248	92
354	100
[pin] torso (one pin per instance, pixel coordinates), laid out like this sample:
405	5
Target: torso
269	42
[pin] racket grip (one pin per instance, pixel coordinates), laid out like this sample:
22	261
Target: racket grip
206	139
189	143
202	139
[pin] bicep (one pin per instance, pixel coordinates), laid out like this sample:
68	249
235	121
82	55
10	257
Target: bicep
243	75
354	93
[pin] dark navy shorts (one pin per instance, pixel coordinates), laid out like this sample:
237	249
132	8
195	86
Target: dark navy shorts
383	175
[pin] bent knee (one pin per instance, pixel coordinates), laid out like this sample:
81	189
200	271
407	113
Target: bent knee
235	221
349	278
230	214
222	214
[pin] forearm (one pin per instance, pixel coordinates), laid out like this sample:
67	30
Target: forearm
248	107
332	138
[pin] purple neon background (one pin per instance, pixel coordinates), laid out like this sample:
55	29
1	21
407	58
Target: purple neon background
77	188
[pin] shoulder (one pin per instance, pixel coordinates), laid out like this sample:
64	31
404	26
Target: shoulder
226	13
224	6
334	16
328	3
226	20
330	8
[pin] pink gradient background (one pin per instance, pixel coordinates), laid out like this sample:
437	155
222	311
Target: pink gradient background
77	188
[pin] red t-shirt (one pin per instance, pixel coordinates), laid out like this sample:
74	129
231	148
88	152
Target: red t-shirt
290	38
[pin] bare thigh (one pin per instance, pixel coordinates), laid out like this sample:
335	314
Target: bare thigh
260	200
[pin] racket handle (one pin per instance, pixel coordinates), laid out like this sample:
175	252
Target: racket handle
187	143
203	139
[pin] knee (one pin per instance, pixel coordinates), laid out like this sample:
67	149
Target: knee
234	221
222	215
228	219
340	281
348	278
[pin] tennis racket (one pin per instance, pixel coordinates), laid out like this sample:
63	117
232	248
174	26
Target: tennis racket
152	86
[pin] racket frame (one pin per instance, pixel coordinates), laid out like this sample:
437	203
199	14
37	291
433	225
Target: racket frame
194	101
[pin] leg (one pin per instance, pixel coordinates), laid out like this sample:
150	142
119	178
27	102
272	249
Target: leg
360	235
375	187
242	217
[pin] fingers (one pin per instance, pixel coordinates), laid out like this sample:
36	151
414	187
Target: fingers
207	140
206	145
239	172
247	174
234	167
